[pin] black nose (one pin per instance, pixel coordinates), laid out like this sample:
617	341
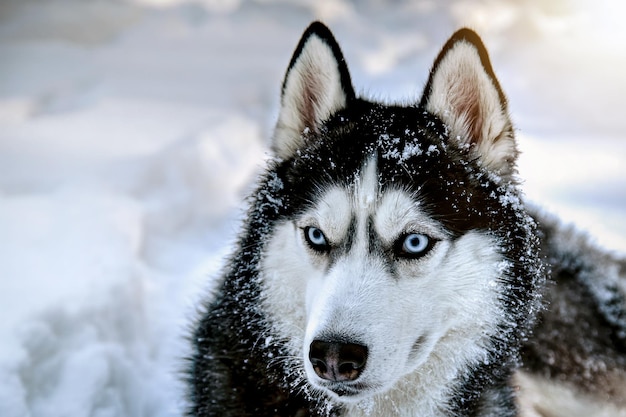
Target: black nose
336	361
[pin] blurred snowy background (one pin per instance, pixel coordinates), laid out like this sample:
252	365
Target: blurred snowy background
130	131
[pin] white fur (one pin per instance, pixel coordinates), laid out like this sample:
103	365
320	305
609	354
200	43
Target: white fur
539	397
448	298
367	187
465	98
312	92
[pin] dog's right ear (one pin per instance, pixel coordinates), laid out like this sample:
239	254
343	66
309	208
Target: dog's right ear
317	85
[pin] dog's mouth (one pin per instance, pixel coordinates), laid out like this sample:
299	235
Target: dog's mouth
349	392
417	349
345	391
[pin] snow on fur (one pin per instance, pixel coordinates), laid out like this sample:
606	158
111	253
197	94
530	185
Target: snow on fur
127	133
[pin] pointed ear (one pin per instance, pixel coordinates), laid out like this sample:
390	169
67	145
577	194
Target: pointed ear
316	86
463	91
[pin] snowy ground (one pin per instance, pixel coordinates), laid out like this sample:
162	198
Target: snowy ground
129	131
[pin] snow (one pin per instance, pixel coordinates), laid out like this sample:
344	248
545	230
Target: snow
130	132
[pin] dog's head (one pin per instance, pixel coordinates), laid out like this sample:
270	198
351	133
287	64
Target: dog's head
395	255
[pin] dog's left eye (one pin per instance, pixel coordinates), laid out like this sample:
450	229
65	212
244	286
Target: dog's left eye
414	245
316	239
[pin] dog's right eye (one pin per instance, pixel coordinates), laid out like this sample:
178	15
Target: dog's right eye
316	239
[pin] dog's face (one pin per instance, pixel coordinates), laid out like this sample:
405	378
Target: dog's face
386	265
368	284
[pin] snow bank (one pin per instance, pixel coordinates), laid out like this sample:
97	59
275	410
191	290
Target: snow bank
129	132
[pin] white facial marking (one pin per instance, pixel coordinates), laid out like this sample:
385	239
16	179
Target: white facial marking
367	187
331	215
398	212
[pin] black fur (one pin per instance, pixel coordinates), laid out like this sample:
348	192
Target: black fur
240	366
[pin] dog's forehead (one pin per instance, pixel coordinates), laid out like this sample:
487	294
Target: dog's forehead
364	203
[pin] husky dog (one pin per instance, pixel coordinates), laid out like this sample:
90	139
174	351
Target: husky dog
390	267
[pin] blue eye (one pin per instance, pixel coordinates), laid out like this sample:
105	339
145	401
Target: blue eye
315	238
414	245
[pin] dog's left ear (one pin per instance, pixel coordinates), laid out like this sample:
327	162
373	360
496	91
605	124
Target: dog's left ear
463	91
317	85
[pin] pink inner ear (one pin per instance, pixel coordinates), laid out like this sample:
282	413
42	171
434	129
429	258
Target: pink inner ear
310	100
467	106
464	94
